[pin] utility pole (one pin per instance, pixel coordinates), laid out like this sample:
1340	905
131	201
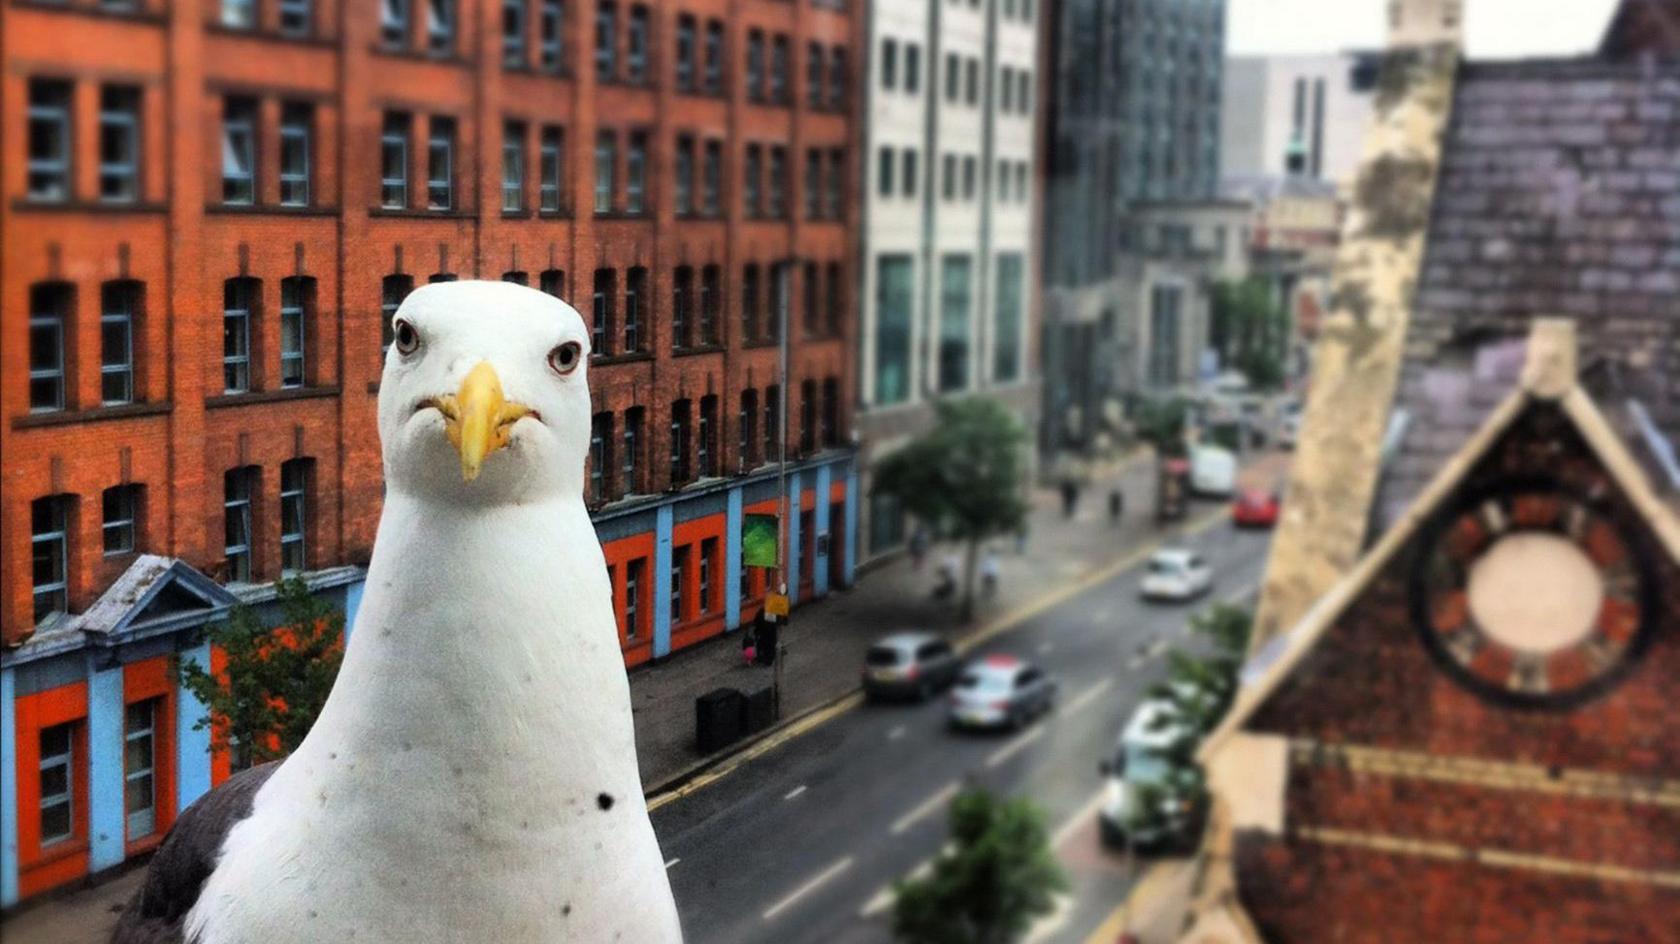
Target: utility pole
782	292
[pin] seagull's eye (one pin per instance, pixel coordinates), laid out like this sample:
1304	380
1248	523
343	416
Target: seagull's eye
564	359
407	338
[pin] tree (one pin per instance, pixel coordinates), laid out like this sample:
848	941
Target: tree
1160	422
275	680
965	477
1250	331
995	876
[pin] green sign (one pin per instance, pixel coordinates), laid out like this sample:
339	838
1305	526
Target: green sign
758	540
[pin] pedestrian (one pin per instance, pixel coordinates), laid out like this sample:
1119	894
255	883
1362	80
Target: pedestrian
988	573
1116	505
1070	497
1021	538
918	547
749	644
947	586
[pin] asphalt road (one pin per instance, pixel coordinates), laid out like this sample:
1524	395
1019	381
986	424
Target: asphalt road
803	842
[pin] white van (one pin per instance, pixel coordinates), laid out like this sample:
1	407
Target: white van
1213	471
1141	768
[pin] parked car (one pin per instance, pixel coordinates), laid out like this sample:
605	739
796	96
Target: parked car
1000	691
1213	471
1148	804
1176	574
909	665
1289	427
1255	508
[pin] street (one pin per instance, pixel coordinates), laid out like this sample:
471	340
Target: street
803	842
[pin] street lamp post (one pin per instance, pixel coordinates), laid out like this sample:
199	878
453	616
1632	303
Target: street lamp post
782	292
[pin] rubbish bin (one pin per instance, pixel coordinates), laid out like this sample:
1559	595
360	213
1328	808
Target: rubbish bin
759	710
718	715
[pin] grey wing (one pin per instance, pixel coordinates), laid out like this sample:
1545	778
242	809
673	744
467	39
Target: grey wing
185	860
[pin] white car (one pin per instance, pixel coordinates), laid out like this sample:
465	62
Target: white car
1176	574
1000	691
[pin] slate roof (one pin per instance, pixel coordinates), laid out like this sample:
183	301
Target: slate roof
1559	194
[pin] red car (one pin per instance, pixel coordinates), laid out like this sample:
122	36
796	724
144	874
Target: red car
1255	508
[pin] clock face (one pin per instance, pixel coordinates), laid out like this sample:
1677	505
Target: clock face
1531	594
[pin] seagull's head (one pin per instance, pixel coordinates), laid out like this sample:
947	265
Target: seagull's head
485	396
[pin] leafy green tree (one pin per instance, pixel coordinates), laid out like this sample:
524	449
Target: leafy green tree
1250	331
275	680
997	874
965	477
1160	422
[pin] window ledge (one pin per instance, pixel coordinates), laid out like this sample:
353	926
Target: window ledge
761	342
311	38
450	58
94	415
63	849
624	215
609	360
554	214
413	214
518	214
700	349
262	209
269	396
84	9
27	205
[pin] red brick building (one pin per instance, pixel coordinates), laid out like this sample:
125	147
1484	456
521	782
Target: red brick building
209	214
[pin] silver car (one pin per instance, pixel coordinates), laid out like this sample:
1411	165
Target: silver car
909	665
1000	691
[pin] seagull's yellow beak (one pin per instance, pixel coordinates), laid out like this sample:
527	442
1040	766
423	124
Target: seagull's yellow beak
477	418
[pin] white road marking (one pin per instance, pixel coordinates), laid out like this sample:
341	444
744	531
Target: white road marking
1045	927
1242	593
1154	649
896	733
794	792
673	861
1015	746
1087	697
927	807
815	882
1071	825
885	896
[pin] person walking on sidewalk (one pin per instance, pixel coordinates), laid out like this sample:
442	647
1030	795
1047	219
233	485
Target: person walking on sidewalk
988	573
1070	497
918	547
1116	505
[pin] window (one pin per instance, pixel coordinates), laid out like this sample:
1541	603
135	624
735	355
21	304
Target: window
954	292
837	79
1166	302
636	62
772	422
685	176
239	298
706	444
550	155
711	296
811	293
948	180
746	429
685	53
393	22
294	17
635	304
778	182
1006	84
749	302
552	282
830	430
836	174
779	299
679	572
682	294
600	458
714	57
836	296
49	140
752	172
119	144
1023	93
50	306
812	183
294	514
513	166
814	75
807	417
953	69
49	546
139	761
58	783
392	290
297	296
440	165
679	442
606	155
551	33
779	55
912	68
711	179
632	448
120	504
239	14
238	487
239	151
708	555
755	65
969	169
634	579
437	277
1002	181
1021	180
517	277
513	33
119	307
635	175
297	123
909	186
601	302
606	42
440	26
1006	349
889	63
393	161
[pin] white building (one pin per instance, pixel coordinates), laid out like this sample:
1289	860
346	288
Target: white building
1297	116
950	285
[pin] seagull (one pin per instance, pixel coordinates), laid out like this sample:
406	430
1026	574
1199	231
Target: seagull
472	776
